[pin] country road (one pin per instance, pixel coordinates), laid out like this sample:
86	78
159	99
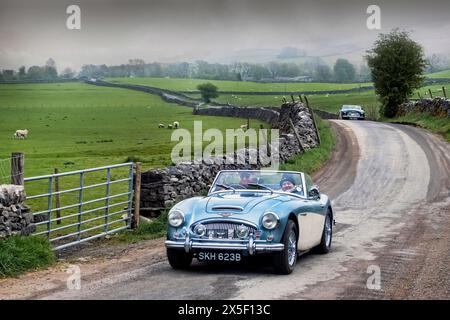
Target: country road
390	189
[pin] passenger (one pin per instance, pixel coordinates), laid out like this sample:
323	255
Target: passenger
288	185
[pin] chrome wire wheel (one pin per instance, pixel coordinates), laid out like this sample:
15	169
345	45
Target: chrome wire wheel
292	248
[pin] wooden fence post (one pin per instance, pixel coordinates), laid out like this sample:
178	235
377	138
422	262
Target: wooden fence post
445	93
296	135
431	94
300	96
137	197
57	200
17	168
314	121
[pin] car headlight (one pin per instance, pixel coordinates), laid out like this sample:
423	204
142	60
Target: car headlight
242	231
200	230
176	218
270	220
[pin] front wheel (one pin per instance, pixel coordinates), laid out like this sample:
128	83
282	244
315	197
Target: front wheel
284	261
178	259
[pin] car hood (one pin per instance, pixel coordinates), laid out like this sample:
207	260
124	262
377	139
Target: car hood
238	203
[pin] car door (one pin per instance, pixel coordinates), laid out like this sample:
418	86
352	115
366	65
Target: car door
311	219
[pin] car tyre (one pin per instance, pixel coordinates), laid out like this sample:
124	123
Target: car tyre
327	236
178	259
284	261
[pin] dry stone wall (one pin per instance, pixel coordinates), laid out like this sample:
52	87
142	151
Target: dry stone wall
15	216
439	107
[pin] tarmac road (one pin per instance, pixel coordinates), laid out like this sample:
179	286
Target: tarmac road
390	189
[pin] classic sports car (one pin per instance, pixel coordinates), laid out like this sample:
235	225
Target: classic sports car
248	212
351	112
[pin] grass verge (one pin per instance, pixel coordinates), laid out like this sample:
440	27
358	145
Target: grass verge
313	159
19	254
427	121
146	231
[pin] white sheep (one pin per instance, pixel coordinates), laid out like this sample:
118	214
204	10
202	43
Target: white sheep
161	125
169	126
21	134
176	125
243	127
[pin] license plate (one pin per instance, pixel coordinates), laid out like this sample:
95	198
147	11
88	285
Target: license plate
219	256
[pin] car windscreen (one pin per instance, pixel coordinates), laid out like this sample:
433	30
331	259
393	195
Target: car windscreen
244	180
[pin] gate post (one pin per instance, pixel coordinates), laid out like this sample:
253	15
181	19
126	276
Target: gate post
17	168
137	197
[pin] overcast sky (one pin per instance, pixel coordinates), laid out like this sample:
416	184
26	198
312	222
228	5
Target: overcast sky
114	31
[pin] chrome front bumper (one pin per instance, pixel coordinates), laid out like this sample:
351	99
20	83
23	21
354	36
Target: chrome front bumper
252	246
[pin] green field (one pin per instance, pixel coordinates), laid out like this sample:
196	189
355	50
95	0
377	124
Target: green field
74	126
440	74
78	126
191	85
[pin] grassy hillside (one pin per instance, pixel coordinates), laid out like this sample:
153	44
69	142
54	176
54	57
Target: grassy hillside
76	125
191	85
441	74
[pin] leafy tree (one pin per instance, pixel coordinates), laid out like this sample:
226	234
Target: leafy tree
344	71
208	91
35	73
67	73
322	73
22	72
397	64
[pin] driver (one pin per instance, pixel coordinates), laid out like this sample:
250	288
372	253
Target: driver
246	178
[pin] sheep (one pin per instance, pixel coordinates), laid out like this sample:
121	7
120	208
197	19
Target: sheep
243	127
176	125
21	134
169	126
161	125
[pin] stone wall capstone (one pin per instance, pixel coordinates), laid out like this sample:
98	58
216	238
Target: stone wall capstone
162	188
15	216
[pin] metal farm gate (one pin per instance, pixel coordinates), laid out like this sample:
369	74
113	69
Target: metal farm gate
76	207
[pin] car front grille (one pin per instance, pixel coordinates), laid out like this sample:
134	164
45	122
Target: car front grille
224	230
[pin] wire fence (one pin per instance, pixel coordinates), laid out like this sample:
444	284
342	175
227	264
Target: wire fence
6	174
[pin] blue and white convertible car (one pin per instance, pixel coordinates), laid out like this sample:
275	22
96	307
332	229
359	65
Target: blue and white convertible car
249	212
352	112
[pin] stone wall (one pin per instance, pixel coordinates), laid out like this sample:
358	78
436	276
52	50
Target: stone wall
162	188
15	216
438	107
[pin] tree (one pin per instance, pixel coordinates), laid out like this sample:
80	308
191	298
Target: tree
208	91
50	72
22	72
344	71
322	73
68	73
35	73
397	64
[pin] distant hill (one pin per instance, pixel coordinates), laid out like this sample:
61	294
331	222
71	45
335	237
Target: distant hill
440	74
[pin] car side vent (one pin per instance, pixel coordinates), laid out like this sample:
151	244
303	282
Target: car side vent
234	208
